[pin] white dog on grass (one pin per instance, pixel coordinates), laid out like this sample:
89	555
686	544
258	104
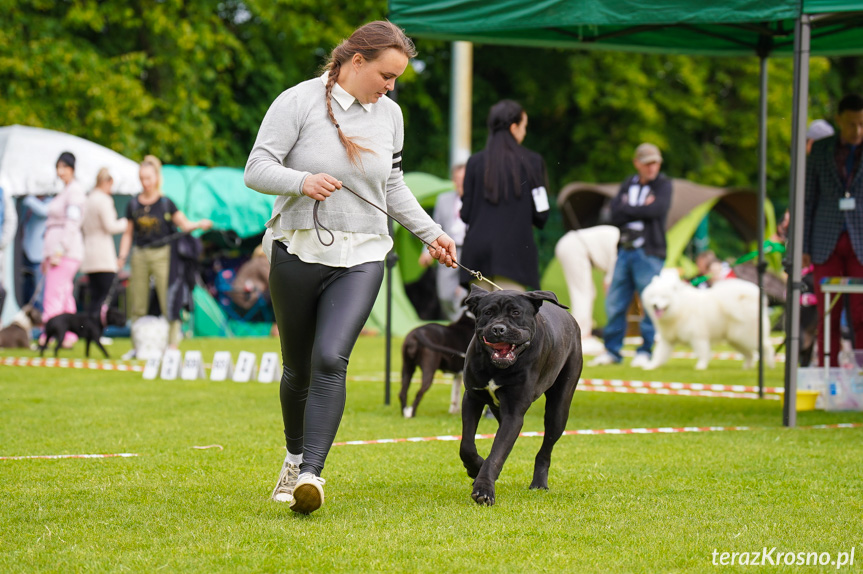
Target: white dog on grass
727	311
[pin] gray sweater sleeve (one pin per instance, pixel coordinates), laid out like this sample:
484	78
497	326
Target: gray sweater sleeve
265	170
401	203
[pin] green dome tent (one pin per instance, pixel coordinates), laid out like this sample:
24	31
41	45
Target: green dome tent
582	204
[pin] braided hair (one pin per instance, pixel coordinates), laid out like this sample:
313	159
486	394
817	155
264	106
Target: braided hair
369	40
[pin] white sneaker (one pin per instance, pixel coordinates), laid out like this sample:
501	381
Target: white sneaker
640	360
604	359
284	491
592	346
308	493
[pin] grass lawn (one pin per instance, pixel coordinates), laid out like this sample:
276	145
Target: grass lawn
617	503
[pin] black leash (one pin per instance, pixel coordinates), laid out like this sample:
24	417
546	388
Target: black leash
476	274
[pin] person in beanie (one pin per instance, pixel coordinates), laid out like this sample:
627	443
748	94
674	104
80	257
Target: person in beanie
639	210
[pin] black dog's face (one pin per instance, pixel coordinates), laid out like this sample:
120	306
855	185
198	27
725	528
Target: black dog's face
506	321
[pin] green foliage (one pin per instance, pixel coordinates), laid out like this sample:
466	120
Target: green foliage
190	81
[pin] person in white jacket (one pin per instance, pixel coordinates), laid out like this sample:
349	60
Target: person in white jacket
8	226
99	225
579	252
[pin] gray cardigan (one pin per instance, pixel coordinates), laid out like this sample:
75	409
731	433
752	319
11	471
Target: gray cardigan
297	139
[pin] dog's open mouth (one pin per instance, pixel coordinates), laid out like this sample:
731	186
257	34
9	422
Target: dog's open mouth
658	311
504	354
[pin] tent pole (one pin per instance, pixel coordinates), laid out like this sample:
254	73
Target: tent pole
762	195
461	88
391	261
796	203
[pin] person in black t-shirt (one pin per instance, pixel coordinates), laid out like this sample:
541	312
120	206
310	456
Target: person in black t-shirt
153	219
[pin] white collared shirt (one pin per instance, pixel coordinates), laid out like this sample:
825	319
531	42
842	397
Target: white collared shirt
348	248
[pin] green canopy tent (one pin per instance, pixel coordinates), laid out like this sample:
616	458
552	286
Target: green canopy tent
708	27
221	195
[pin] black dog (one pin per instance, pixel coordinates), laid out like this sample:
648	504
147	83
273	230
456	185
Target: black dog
435	347
87	326
522	349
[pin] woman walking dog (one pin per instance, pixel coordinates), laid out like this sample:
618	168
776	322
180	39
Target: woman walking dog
322	146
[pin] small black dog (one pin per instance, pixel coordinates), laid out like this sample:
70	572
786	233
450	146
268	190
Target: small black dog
435	347
87	326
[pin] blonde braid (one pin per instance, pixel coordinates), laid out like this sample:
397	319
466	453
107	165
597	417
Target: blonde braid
352	148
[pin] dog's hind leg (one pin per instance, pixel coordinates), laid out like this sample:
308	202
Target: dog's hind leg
471	411
101	348
408	370
428	371
701	348
455	394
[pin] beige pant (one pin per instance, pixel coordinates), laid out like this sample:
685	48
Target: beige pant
579	252
155	263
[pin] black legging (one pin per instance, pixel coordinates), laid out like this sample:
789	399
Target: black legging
100	285
320	312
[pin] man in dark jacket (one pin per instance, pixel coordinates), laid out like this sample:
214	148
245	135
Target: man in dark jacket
639	210
833	217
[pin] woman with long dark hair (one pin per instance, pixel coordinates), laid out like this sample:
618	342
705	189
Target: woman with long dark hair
328	247
505	196
63	244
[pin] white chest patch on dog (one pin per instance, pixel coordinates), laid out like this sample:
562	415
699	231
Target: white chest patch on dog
491	388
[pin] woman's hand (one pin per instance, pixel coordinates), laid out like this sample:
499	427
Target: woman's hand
443	249
320	185
205	224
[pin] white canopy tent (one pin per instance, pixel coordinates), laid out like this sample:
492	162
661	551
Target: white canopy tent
28	156
28	159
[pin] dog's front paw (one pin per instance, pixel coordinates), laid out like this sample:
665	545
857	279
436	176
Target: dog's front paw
701	366
483	493
651	366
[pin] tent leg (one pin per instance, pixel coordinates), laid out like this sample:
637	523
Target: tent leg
391	260
796	203
461	88
762	195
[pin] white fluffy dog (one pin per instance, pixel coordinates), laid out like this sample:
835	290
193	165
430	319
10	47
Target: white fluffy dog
699	317
150	336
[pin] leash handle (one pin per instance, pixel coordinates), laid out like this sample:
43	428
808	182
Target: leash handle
476	274
321	225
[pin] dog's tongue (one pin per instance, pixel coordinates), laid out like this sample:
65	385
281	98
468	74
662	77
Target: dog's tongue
502	350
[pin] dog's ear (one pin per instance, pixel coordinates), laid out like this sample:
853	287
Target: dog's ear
537	297
472	300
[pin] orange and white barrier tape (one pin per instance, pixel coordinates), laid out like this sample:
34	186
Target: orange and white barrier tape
659	430
70	364
58	456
